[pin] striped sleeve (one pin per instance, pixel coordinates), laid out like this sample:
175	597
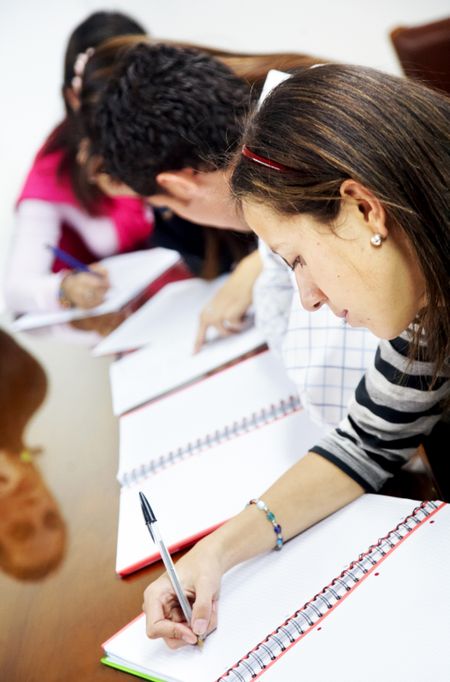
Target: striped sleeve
395	405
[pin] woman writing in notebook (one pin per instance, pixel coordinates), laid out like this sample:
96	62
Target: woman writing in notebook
60	205
344	173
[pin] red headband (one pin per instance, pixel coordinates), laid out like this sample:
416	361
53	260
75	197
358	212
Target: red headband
263	161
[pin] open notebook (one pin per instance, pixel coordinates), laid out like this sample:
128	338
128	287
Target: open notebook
210	483
129	274
361	596
152	371
215	409
158	322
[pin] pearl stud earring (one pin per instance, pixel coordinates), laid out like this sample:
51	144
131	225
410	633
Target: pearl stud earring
376	240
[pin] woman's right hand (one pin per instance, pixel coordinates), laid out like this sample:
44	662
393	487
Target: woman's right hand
85	290
200	573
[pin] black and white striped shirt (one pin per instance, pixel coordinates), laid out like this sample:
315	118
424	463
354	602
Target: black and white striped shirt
392	410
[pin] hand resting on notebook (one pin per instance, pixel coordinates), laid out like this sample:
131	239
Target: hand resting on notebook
226	311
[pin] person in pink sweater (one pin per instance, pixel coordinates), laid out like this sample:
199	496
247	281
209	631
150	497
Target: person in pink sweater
60	204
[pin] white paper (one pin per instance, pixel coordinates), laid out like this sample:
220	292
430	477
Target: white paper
210	486
177	306
129	273
394	626
150	372
252	387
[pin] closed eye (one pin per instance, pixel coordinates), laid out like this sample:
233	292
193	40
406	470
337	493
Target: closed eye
298	261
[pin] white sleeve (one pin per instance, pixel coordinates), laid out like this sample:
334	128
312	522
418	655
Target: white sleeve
272	298
30	285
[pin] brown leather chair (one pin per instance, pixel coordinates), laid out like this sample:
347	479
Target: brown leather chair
424	52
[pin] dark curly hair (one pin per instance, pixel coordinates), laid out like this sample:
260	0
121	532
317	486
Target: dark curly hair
168	108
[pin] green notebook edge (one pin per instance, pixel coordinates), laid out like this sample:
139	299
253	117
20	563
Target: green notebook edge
112	664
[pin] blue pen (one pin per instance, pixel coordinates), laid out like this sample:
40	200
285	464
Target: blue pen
71	261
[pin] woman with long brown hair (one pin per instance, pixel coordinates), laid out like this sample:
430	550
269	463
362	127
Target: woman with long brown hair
344	172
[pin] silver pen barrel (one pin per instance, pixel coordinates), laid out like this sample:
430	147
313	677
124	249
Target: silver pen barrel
173	577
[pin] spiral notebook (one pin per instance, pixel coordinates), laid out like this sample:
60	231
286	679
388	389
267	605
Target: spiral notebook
384	612
210	483
175	446
215	409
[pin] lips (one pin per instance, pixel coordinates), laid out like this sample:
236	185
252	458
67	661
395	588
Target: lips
342	314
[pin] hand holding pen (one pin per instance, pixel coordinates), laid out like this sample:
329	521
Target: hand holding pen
85	286
171	613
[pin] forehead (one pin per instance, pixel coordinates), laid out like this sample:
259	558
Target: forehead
274	228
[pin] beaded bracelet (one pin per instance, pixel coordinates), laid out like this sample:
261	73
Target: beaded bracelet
270	516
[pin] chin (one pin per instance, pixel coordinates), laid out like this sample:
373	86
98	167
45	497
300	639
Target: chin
388	332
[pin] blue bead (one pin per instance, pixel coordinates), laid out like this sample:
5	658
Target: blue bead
277	528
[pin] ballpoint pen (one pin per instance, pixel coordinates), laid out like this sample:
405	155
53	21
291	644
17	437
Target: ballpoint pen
71	261
151	523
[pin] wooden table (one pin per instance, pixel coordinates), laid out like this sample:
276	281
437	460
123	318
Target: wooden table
51	629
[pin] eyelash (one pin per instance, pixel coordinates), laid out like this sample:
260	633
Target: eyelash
298	261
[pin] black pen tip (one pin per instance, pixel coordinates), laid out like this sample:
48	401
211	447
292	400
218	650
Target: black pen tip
146	509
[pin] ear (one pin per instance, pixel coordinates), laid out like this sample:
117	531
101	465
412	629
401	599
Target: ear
180	184
71	98
111	186
367	204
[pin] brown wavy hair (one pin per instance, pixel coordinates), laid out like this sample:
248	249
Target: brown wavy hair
391	134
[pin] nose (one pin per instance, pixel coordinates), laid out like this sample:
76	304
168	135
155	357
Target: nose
311	297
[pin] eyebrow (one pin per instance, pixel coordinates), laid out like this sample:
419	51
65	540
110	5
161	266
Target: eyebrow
278	245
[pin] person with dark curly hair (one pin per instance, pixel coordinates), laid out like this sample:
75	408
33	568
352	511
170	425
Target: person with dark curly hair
164	127
169	119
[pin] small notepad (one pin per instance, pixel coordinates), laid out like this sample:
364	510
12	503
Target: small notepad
129	274
362	596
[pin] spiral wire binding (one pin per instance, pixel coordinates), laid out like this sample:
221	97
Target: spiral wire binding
247	424
253	664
